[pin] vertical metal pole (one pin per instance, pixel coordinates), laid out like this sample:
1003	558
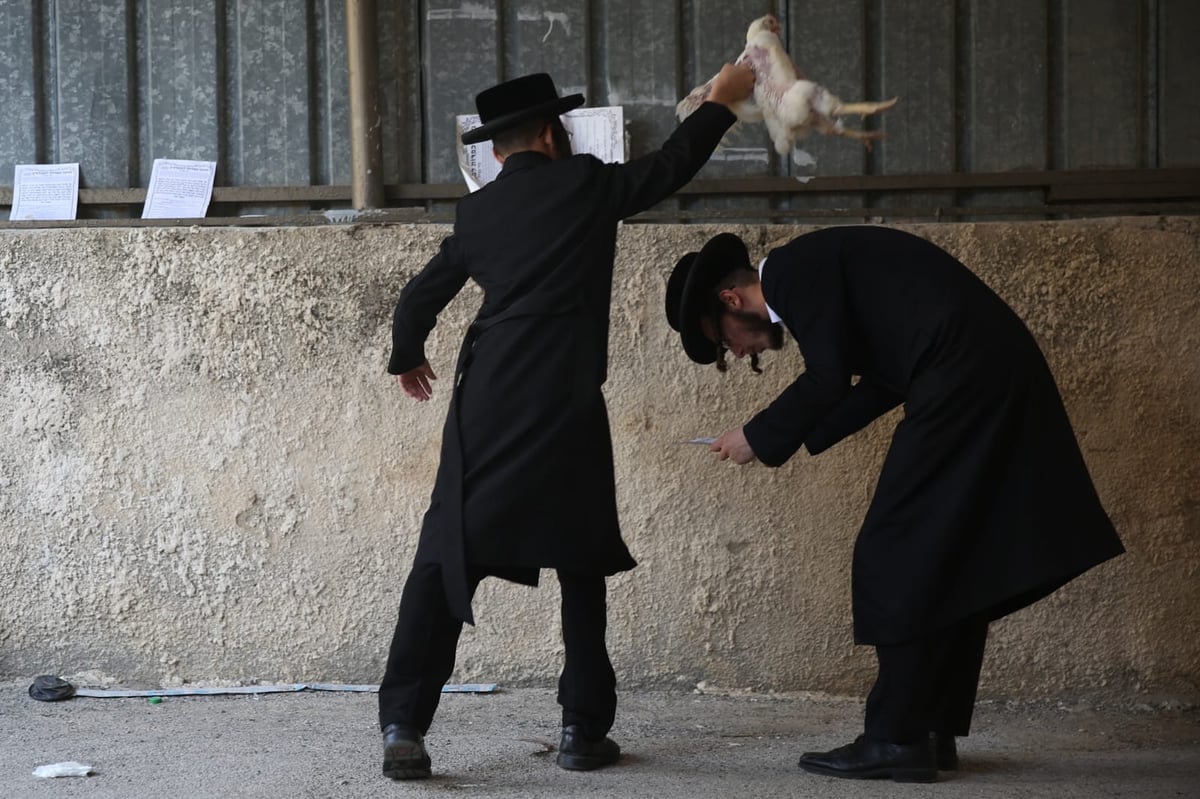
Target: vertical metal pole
366	151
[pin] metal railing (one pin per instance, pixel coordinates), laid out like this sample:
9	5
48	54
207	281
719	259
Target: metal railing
1064	193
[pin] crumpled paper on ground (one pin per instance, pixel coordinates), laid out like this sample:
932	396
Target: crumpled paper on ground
70	768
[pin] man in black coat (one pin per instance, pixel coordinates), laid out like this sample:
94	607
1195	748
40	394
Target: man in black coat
525	480
984	504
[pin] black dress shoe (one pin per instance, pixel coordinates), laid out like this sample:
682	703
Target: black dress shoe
945	751
404	755
872	760
577	753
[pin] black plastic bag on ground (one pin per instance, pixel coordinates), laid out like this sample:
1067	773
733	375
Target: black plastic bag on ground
48	688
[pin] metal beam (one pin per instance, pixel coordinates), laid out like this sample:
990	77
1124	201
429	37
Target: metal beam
741	216
1113	186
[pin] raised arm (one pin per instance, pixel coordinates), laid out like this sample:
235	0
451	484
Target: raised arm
652	178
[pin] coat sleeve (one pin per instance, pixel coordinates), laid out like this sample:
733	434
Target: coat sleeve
865	403
420	303
655	176
803	283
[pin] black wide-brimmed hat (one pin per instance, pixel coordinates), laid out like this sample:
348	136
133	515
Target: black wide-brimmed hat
690	295
510	103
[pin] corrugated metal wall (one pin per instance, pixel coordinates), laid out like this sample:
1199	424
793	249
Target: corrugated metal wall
260	86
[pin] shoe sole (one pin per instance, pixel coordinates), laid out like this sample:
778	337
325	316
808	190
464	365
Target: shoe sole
406	771
581	763
896	775
402	766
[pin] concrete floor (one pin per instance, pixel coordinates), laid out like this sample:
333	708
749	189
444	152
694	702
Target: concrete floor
675	745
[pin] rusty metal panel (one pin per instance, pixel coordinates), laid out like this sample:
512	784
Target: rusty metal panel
548	36
94	66
462	50
917	64
269	141
1003	71
1005	86
828	43
178	103
1179	99
400	91
1102	108
716	34
18	96
636	52
331	100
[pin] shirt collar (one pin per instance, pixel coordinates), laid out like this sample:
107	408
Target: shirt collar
775	318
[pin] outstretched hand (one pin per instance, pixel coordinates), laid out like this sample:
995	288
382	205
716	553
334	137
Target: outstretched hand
415	382
733	446
734	83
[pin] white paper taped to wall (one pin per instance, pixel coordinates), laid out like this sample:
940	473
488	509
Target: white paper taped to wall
179	189
44	191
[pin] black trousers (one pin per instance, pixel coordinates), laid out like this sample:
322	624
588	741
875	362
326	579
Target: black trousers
927	686
424	644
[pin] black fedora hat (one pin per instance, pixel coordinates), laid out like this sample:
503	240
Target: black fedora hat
690	295
510	103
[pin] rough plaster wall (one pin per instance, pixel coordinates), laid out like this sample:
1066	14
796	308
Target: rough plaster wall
205	474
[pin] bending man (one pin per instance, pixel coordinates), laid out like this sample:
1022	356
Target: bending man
984	504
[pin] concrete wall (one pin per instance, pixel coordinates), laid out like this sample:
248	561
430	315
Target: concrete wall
205	474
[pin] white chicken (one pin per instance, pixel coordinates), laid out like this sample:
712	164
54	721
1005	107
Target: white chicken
788	103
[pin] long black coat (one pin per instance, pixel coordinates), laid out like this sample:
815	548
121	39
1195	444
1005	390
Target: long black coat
526	473
984	503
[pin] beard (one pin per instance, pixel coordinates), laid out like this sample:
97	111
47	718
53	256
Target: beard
756	324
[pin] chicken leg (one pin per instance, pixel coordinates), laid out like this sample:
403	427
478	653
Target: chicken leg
865	109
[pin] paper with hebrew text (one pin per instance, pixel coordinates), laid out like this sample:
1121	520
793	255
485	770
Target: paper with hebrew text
179	189
595	131
44	191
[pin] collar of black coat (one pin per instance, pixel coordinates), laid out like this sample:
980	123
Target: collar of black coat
520	161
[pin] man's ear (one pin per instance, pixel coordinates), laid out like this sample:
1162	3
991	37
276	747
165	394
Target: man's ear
499	156
730	299
546	138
